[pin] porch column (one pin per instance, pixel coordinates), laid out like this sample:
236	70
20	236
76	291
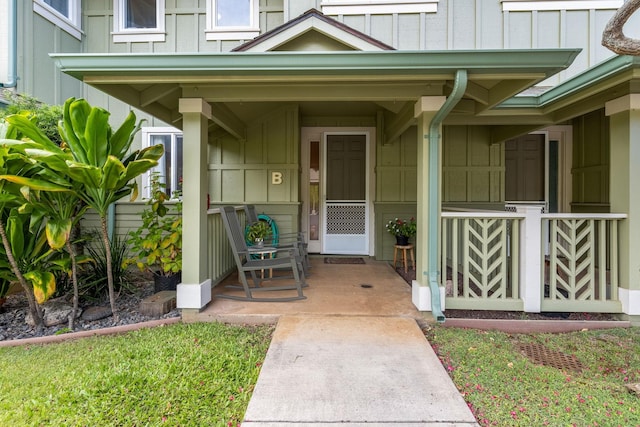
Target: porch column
195	290
624	197
425	109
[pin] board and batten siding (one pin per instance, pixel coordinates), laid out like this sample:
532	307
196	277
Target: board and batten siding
37	74
242	171
472	167
591	163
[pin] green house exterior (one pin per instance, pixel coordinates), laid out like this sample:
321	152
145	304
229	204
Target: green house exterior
444	99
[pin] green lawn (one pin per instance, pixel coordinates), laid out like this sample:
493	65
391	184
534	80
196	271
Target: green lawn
504	388
186	375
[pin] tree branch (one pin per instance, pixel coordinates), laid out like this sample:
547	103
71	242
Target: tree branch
613	37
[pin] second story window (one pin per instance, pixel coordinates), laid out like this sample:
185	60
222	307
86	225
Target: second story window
62	13
232	19
140	14
138	20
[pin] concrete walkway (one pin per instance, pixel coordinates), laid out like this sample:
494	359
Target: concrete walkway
355	371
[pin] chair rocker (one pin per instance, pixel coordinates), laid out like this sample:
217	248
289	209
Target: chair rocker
286	259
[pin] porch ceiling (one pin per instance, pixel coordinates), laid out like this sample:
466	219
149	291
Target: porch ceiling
363	81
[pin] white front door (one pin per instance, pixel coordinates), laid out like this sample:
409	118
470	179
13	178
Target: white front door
337	194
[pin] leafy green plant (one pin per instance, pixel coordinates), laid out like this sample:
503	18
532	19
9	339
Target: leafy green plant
46	116
402	227
96	159
157	243
257	232
93	284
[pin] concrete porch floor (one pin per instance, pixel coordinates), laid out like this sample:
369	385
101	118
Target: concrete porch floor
370	289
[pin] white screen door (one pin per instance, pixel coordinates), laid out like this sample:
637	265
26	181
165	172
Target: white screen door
345	189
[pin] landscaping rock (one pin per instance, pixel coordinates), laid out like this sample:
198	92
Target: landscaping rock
54	312
96	313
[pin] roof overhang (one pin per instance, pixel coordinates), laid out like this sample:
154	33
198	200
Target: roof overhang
154	83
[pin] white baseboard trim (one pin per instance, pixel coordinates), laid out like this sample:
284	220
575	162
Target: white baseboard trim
193	295
421	296
630	299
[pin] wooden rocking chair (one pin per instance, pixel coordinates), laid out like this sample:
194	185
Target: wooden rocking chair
248	263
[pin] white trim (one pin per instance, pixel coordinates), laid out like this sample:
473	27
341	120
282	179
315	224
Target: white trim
630	299
528	6
231	35
70	24
121	34
421	296
373	7
320	26
193	295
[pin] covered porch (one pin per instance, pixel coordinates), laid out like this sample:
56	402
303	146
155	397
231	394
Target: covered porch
242	114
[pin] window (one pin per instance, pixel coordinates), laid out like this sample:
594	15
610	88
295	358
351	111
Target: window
62	13
359	7
232	19
138	20
170	165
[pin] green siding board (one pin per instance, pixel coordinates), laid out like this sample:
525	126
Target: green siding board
519	30
548	31
232	183
390	185
590	169
410	185
464	15
255	182
408	27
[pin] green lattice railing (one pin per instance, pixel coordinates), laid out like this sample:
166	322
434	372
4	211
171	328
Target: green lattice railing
483	261
480	253
582	265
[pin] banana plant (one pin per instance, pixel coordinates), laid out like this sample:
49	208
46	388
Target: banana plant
13	163
95	163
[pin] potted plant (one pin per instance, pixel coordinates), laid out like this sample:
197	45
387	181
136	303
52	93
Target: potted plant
257	232
402	229
157	243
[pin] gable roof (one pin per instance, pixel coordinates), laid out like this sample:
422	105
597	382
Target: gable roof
335	34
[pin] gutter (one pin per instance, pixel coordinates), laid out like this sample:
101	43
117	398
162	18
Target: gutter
13	41
459	88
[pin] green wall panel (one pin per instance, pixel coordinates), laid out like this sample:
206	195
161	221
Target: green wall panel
473	168
242	171
255	182
591	159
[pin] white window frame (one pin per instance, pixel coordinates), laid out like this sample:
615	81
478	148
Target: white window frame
540	5
70	24
147	133
377	7
251	31
121	34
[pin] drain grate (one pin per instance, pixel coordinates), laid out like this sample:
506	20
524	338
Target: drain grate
366	286
541	355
